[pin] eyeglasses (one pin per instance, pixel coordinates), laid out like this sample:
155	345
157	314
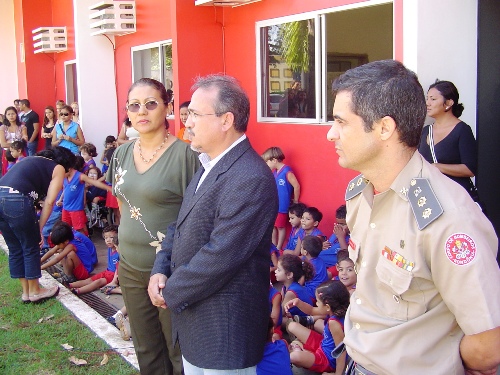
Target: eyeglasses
63	114
135	107
195	115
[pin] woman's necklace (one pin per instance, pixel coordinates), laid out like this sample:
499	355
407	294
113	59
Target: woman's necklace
154	153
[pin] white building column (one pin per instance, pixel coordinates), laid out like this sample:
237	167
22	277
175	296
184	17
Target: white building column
440	41
95	78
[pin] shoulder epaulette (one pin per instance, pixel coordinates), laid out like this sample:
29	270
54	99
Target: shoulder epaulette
424	202
355	186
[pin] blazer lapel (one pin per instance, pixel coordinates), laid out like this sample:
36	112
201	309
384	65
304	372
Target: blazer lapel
192	195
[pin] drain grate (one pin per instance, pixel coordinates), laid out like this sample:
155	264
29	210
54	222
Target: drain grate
96	303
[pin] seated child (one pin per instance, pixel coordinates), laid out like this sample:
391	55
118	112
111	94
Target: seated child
309	227
275	300
312	350
286	182
337	241
110	234
17	150
73	198
88	152
311	248
347	274
290	270
75	255
276	360
11	160
295	212
94	194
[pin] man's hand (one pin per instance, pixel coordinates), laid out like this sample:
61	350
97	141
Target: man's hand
156	284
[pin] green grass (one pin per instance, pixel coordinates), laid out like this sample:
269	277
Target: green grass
29	347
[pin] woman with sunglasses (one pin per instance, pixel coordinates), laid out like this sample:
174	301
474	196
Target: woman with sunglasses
68	133
149	177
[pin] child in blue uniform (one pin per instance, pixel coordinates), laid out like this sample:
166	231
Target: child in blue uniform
76	257
287	184
290	270
110	235
295	212
88	152
311	248
275	300
313	350
346	273
73	198
337	241
276	360
309	227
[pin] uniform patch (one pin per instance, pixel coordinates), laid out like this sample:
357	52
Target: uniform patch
460	249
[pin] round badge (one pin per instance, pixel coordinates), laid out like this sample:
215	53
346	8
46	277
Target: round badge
460	249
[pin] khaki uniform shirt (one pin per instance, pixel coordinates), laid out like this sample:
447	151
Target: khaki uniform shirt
419	291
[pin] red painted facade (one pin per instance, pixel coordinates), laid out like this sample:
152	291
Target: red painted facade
205	40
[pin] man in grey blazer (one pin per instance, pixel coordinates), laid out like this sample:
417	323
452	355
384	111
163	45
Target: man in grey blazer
216	256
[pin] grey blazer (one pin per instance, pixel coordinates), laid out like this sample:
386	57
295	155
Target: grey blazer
217	259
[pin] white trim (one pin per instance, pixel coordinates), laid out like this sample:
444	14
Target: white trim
320	46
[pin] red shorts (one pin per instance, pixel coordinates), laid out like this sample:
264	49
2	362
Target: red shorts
77	219
313	344
108	275
281	220
111	200
80	272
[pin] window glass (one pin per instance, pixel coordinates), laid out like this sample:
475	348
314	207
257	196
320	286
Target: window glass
289	70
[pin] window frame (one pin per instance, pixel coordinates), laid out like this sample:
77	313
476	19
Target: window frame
321	91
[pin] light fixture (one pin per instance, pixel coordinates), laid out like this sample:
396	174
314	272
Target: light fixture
224	3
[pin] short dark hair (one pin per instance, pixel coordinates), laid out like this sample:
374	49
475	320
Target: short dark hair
273	153
157	85
110	139
110	228
386	88
313	245
26	102
297	209
230	98
18	145
343	254
449	91
341	212
61	233
60	155
89	148
185	104
315	213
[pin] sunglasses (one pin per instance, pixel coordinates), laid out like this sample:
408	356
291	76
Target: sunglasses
63	114
135	107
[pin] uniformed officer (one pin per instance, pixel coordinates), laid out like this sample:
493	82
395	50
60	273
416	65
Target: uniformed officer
427	300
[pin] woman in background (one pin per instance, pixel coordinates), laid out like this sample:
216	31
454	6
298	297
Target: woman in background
448	143
48	125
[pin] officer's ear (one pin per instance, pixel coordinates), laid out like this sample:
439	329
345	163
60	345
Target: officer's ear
387	127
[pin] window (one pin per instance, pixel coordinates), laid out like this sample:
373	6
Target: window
70	74
153	61
313	49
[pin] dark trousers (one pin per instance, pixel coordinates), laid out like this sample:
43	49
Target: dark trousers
151	326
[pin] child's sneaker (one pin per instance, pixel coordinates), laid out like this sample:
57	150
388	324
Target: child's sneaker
66	280
112	320
306	321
